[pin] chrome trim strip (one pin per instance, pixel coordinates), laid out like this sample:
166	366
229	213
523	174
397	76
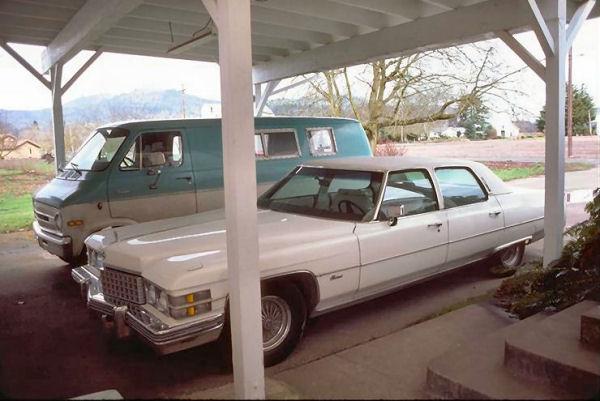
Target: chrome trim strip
39	232
526	240
495	230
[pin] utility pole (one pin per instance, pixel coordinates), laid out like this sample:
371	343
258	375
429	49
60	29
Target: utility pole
183	100
570	105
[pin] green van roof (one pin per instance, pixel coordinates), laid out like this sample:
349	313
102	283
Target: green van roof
198	122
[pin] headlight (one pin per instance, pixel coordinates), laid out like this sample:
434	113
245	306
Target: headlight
58	221
180	307
95	258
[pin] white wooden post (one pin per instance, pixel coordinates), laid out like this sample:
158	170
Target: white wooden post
239	170
58	126
554	211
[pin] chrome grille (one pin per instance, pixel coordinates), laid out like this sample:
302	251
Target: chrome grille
117	285
44	215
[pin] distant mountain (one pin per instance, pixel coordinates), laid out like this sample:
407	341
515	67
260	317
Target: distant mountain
101	109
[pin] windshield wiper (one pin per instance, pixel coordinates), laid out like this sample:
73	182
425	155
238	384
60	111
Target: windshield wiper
75	167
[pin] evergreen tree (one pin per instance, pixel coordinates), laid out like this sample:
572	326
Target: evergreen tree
474	120
583	110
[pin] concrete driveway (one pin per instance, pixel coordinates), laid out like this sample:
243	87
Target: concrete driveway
50	346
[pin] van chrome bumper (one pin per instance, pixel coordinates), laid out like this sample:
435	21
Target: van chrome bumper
56	245
162	338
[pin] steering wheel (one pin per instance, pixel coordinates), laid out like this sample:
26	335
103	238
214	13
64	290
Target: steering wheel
349	206
128	161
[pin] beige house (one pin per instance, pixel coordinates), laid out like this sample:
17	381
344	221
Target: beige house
25	149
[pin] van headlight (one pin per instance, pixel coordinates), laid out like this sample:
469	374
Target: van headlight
178	307
58	221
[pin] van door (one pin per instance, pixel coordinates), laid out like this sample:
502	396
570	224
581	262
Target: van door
155	179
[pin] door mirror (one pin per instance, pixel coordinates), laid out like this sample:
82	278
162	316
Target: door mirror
391	213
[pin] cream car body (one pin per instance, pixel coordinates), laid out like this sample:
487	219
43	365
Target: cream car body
333	262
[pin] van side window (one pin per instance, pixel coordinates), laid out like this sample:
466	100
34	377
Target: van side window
273	144
154	149
321	141
459	187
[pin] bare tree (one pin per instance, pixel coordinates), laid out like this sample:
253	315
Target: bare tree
7	140
420	88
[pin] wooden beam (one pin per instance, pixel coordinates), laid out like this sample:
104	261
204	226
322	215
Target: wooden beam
211	8
25	64
81	70
407	38
239	176
93	19
541	29
523	53
265	96
293	85
579	17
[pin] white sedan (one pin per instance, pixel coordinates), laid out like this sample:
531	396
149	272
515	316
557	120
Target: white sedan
331	233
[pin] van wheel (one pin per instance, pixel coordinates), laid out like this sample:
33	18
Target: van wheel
284	317
76	261
508	260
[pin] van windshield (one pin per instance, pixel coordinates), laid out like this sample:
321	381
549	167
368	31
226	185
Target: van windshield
97	152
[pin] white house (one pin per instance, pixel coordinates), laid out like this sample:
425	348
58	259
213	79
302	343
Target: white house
504	126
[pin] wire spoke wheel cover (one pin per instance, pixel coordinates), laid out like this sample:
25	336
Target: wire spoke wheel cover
276	321
511	256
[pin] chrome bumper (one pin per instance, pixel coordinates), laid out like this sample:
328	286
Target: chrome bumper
56	245
162	338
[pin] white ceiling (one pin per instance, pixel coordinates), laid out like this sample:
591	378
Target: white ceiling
288	36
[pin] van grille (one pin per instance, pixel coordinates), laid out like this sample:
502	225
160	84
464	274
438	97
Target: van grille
44	215
117	285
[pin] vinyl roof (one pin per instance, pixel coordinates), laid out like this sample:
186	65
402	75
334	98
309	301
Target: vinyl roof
289	37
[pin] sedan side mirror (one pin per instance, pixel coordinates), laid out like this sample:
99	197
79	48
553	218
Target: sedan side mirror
392	212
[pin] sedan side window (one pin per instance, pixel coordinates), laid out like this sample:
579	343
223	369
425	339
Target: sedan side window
459	187
407	193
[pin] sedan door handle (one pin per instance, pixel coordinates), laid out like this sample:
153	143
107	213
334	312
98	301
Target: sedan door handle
435	225
187	177
495	213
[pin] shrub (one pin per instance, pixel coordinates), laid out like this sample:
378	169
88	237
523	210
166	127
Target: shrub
389	148
575	276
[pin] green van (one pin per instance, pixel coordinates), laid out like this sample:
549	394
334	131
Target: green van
148	170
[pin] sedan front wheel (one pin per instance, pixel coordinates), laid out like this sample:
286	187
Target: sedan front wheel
284	316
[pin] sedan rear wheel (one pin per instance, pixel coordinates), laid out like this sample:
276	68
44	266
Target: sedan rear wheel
508	260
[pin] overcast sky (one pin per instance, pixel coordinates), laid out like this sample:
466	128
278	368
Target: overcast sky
114	73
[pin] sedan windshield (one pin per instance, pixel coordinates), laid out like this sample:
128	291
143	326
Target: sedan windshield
331	193
97	152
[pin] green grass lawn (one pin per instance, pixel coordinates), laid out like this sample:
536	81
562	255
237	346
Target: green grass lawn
18	180
524	170
15	213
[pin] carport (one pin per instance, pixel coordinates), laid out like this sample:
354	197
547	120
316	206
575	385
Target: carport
262	42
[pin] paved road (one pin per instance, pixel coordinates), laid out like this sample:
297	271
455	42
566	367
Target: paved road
50	347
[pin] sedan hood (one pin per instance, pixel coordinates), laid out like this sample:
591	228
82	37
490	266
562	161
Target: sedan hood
169	252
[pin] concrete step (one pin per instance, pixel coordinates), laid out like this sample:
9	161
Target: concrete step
476	371
590	328
550	352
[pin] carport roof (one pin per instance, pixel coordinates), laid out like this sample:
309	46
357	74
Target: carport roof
289	37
